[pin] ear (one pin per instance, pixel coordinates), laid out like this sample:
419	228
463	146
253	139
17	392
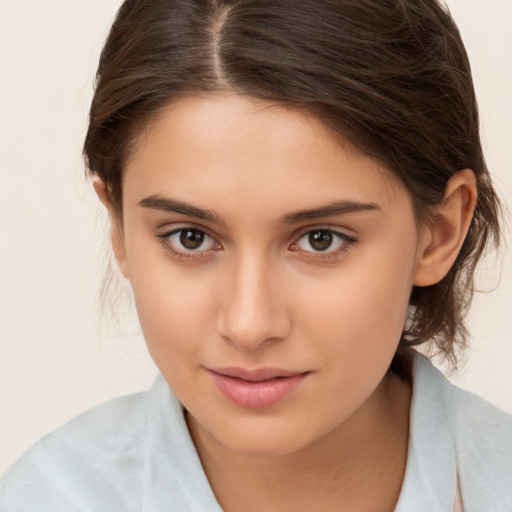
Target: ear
442	238
116	230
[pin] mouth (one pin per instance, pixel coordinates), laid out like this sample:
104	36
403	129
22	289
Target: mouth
256	389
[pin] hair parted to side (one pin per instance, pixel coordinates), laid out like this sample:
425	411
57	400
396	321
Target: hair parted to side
391	76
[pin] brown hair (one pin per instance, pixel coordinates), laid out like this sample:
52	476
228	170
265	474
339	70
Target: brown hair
391	76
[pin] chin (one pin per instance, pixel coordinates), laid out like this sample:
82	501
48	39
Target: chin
264	446
261	438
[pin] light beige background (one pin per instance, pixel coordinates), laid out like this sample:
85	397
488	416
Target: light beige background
56	358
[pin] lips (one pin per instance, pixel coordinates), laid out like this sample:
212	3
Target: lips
256	389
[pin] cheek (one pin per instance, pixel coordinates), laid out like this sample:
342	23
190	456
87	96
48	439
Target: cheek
175	309
362	306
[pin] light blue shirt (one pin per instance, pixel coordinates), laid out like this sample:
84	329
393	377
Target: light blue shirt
135	454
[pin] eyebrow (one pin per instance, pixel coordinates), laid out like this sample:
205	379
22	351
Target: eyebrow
329	210
167	204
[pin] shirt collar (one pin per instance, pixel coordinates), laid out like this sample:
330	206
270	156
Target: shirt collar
430	481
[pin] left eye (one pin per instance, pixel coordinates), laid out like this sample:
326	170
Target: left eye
189	240
321	240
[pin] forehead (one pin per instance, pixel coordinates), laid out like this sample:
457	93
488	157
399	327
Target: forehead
230	146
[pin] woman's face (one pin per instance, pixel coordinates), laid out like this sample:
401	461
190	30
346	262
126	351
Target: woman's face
271	268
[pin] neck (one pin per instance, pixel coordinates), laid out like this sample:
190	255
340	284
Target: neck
359	466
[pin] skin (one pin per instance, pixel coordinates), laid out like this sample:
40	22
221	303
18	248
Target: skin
257	293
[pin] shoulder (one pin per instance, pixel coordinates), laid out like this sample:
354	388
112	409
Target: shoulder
469	413
482	430
480	421
83	463
482	437
133	453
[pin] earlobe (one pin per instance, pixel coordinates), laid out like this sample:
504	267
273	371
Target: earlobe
442	238
116	231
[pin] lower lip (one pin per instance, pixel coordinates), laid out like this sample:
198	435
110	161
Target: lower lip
257	395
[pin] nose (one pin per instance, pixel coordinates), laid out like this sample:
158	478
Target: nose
253	311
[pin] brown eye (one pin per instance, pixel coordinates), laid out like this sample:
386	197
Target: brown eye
320	240
323	242
191	239
188	241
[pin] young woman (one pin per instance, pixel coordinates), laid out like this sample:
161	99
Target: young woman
298	197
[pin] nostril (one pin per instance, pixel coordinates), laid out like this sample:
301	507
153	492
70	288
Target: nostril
251	312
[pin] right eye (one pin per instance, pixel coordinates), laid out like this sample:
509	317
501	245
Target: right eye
188	241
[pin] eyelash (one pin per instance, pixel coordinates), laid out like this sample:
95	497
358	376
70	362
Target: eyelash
184	254
346	243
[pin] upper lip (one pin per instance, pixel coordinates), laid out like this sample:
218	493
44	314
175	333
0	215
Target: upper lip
257	374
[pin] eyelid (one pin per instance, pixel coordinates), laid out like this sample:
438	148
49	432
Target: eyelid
336	230
170	229
348	241
164	236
